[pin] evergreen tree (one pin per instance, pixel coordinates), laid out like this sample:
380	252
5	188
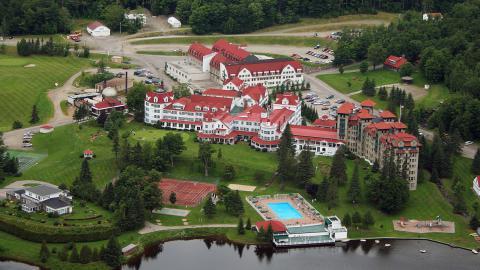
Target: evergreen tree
233	203
44	252
173	198
63	254
476	163
261	235
116	144
459	207
363	67
347	220
338	171
332	194
305	169
113	253
219	153
83	187
34	117
74	257
322	190
95	255
209	209
152	196
269	233
286	156
356	218
229	172
354	191
240	227
108	196
85	254
248	225
474	222
205	152
368	220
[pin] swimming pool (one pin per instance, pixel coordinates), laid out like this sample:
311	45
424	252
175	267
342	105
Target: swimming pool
284	210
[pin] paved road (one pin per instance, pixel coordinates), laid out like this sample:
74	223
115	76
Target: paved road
150	227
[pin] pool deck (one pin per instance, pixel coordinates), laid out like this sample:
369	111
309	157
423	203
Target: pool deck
304	208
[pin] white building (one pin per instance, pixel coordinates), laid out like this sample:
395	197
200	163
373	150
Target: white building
174	22
476	185
97	29
141	17
43	198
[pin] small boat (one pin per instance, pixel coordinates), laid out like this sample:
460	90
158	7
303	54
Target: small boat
423	251
363	240
474	251
377	241
387	245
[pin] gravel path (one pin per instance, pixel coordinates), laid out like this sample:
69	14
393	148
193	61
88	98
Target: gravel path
150	227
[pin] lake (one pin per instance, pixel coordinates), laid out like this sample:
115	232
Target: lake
219	254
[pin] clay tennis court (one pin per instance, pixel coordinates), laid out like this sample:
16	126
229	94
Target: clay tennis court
188	193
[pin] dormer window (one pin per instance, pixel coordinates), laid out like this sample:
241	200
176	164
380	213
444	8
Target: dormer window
285	101
155	99
214	109
197	108
205	109
165	99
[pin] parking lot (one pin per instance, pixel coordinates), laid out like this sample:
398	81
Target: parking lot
325	105
317	55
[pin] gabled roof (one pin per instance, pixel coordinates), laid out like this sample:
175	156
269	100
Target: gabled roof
255	92
251	114
94	25
395	62
230	50
395	139
88	152
276	225
387	114
385	126
220	93
364	114
159	98
346	108
198	50
108	103
324	121
280	117
266	65
368	103
314	133
235	81
217	60
198	103
56	203
291	98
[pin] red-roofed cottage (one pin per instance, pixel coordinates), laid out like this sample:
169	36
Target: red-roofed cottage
107	106
394	62
97	29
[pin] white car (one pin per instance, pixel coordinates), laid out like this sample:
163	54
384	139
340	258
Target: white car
468	143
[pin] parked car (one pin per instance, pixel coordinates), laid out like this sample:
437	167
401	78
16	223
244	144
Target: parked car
340	101
468	143
119	75
330	96
27	145
148	81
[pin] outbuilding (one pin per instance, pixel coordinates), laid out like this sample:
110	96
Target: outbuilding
46	129
88	154
174	22
97	29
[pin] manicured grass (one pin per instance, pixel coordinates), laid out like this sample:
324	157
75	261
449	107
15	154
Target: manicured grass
436	95
64	106
23	87
266	40
381	104
356	79
167	53
64	147
324	24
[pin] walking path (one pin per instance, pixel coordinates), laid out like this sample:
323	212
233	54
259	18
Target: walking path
150	227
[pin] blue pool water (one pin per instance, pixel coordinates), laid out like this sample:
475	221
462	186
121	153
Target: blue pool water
284	210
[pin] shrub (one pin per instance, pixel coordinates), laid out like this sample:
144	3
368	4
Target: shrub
17	124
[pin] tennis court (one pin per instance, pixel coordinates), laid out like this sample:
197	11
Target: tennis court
188	193
26	159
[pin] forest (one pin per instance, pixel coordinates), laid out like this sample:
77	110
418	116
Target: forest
204	16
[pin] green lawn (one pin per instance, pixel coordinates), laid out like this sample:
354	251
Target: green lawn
267	40
64	147
437	93
23	87
356	79
381	104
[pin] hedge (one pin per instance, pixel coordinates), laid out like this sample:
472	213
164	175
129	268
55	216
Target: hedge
38	232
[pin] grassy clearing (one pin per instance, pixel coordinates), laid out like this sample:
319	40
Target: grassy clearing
64	106
167	53
326	23
264	40
356	79
436	95
23	87
381	104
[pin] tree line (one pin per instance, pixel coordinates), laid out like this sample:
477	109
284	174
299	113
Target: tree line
50	48
8	164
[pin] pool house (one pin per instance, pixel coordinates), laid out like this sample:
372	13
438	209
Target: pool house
295	222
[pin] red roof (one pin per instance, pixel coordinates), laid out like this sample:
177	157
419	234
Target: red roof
291	98
478	180
46	127
314	133
395	62
257	140
387	114
346	108
395	138
217	60
88	152
198	103
385	126
198	50
251	114
108	103
94	25
220	93
325	122
368	103
277	226
255	92
159	98
364	114
236	81
229	50
272	66
279	117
